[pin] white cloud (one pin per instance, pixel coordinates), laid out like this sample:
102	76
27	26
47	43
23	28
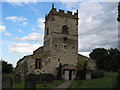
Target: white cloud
21	31
7	34
24	23
97	26
20	2
69	5
2	28
23	48
32	37
40	22
16	18
37	30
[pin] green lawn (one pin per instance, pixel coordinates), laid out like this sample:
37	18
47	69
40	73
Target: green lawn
19	85
22	83
11	75
108	81
48	85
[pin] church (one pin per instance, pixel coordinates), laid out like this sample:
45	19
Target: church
60	47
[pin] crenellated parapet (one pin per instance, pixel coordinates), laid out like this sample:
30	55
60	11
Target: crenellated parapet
61	13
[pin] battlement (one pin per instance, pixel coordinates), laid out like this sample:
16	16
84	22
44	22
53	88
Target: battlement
61	13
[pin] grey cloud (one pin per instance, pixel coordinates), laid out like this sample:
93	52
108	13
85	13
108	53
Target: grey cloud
98	27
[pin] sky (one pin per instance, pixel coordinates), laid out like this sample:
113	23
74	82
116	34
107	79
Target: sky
22	26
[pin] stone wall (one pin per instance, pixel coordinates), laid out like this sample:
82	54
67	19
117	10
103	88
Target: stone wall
59	47
91	63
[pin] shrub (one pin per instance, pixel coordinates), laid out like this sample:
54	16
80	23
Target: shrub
97	74
31	75
118	71
80	74
59	77
118	81
42	78
46	78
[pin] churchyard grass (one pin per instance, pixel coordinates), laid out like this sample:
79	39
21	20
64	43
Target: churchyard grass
22	83
108	81
11	75
50	85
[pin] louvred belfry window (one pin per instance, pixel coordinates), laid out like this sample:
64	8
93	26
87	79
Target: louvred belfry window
65	29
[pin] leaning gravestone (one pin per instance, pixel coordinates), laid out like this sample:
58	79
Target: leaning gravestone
30	84
7	83
88	76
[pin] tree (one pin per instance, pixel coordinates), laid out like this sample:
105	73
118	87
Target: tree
6	68
118	18
99	54
59	72
113	51
114	59
108	60
115	62
80	65
82	69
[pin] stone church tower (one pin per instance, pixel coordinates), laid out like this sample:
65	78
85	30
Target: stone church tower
60	46
61	36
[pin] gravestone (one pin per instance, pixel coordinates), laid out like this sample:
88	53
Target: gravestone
17	78
7	82
88	76
30	84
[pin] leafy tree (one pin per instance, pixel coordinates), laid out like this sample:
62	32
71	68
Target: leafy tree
80	65
99	54
113	54
108	60
118	18
6	68
113	51
82	69
115	62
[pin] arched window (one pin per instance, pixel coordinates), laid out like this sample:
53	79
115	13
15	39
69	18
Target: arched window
65	29
38	63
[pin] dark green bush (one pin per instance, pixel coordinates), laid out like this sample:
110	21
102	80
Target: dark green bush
80	74
33	76
46	78
118	81
42	78
118	71
97	74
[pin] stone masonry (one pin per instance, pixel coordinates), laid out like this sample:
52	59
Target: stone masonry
60	45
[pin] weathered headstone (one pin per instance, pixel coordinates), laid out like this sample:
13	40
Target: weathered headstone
17	78
88	76
7	82
30	84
